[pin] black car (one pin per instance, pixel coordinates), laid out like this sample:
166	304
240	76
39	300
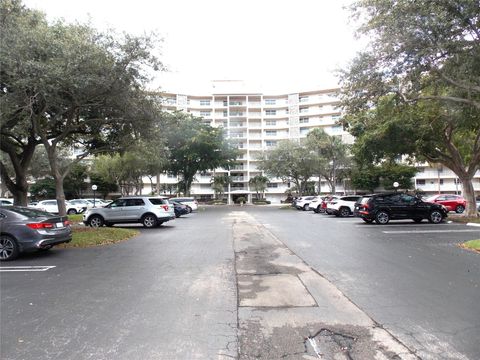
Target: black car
382	208
26	229
180	209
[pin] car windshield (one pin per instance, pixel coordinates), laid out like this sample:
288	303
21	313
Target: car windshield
29	212
157	201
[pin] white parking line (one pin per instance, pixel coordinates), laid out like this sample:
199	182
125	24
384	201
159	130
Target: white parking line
426	231
24	268
410	224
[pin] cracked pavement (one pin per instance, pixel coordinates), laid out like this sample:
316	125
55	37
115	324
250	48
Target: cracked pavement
284	304
247	283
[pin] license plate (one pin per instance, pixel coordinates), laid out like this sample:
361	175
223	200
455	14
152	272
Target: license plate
59	225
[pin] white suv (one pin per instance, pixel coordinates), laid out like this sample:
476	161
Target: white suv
342	206
304	202
148	210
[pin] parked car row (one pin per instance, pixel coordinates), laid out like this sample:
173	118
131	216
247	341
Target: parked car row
384	207
151	211
33	228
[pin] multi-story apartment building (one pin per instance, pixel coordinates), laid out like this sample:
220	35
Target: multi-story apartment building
257	122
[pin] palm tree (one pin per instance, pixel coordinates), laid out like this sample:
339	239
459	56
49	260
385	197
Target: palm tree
259	184
219	183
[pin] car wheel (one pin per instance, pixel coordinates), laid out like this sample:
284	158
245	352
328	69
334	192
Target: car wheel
189	209
96	221
460	209
316	210
418	220
435	217
305	207
382	218
149	221
344	212
368	221
8	248
71	211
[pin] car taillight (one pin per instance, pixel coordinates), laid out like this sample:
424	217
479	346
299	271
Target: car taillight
165	207
38	226
66	223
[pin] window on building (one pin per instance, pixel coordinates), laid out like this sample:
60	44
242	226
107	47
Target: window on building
303	99
225	102
441	181
304	120
270	112
304	130
225	113
335	117
204	102
205	113
336	129
420	181
270	101
236	113
271	132
270	143
271	122
272	185
303	110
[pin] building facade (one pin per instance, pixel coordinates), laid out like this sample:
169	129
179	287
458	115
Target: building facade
257	122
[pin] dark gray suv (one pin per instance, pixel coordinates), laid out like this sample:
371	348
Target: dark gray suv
382	208
150	211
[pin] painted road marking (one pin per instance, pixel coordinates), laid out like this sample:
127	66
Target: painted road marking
426	231
409	224
24	268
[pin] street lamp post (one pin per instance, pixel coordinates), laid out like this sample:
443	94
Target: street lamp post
94	188
396	185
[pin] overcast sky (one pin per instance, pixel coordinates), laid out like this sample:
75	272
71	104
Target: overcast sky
275	46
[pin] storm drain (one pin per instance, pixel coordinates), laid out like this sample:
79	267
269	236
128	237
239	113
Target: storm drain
327	344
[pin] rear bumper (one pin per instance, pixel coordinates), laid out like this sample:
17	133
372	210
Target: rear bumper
44	243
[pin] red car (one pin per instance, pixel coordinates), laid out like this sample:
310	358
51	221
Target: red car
452	202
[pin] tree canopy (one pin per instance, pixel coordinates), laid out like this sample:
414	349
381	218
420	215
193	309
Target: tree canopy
195	146
416	89
290	161
332	156
68	85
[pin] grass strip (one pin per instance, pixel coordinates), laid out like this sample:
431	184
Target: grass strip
287	207
464	219
84	236
75	219
472	245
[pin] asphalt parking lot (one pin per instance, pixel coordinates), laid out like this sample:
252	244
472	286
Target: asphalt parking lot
171	293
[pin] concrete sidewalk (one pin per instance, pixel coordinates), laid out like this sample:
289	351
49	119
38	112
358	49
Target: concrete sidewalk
289	311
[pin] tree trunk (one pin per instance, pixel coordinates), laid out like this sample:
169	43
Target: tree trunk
60	195
469	195
21	162
19	188
158	184
57	176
